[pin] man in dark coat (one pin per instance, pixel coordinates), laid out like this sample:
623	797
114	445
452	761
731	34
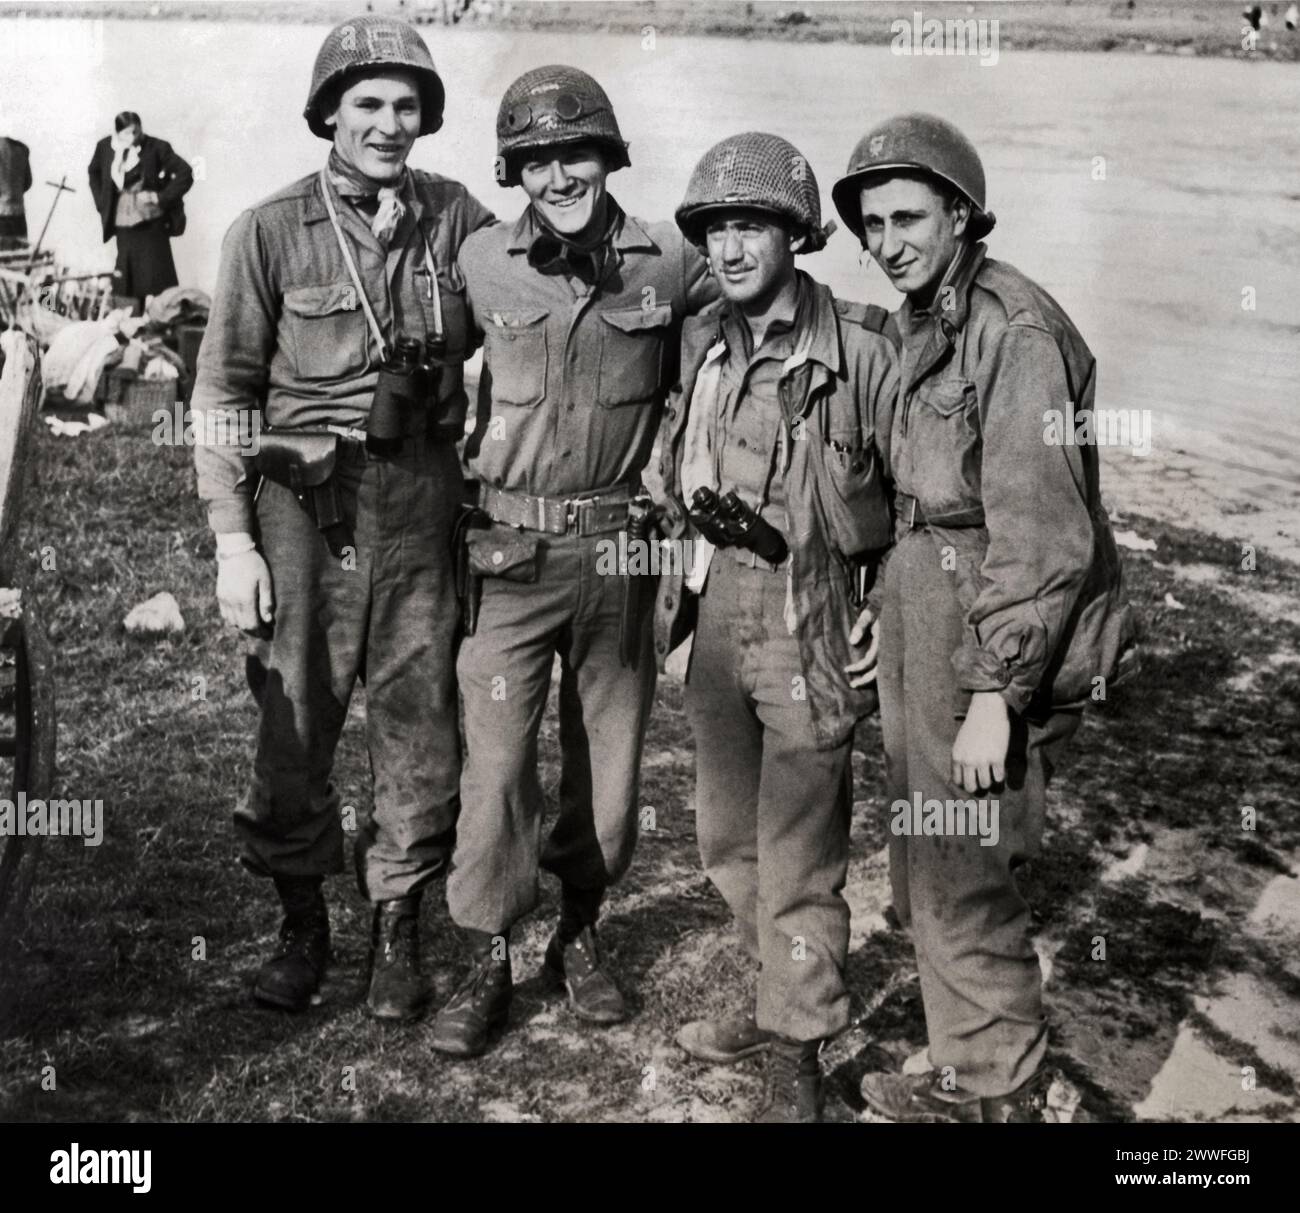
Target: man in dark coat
15	181
138	182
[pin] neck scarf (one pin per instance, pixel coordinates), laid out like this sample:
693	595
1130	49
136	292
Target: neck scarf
388	209
553	252
125	158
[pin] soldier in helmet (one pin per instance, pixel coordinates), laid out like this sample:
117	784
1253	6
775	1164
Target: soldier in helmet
343	554
1002	557
783	389
579	305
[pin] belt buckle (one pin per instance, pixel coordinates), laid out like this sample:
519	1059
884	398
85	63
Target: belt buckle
572	513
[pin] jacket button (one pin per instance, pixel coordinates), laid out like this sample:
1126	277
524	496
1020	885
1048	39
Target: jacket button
672	414
859	467
662	646
498	557
668	602
741	444
570	406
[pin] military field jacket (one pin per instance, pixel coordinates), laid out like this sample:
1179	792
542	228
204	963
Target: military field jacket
836	504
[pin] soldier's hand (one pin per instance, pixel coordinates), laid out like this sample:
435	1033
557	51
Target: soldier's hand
244	591
979	755
863	671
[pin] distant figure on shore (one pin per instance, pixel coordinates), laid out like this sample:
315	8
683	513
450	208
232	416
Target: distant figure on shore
138	182
15	181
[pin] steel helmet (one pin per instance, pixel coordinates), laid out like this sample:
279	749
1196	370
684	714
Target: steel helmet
555	105
366	42
922	143
755	170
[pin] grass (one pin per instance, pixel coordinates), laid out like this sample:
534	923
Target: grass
105	986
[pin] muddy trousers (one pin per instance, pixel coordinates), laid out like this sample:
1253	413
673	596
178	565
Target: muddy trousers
980	978
572	610
384	609
772	811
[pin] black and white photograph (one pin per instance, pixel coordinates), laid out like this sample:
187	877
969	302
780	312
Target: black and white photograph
649	562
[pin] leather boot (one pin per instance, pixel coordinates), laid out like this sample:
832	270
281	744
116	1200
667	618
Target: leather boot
293	974
481	1002
576	967
923	1099
724	1041
396	988
573	961
792	1083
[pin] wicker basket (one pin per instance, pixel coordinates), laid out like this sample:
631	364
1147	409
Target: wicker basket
133	401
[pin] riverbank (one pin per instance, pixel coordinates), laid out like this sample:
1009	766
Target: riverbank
1213	28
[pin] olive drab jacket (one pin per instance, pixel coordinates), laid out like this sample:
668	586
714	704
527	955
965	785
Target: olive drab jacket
837	512
574	380
287	335
975	440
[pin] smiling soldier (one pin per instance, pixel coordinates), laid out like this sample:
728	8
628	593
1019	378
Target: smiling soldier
345	551
783	388
1002	606
579	305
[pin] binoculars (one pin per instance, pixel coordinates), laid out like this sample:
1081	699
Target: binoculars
729	522
408	385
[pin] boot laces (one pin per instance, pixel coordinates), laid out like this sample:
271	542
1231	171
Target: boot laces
781	1077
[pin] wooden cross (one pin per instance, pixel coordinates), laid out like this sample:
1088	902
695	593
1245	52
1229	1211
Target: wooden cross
61	187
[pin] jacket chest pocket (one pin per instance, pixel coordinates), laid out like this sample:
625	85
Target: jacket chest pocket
326	330
943	445
631	354
514	352
851	492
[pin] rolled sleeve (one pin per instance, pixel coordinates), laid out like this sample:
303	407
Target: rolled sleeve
1040	534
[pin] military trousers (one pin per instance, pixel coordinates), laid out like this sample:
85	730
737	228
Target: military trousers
772	811
980	978
382	608
572	610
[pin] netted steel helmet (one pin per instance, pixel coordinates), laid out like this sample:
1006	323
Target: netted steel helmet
369	42
916	143
555	105
763	172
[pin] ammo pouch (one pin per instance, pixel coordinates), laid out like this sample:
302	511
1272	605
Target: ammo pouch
496	550
483	548
303	462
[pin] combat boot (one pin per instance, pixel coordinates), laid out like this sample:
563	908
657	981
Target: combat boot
576	967
481	1002
294	972
924	1099
724	1041
573	961
396	988
792	1083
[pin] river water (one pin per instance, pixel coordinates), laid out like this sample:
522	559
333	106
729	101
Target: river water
1152	195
